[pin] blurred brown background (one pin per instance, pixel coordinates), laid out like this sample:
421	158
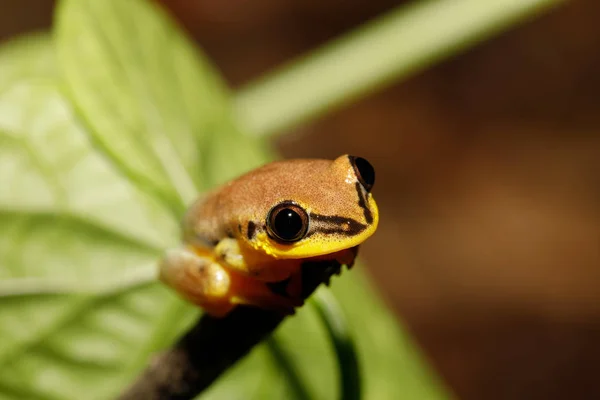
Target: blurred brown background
488	182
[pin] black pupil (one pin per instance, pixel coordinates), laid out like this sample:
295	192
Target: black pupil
287	224
366	172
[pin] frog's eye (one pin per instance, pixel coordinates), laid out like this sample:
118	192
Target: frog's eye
364	172
287	222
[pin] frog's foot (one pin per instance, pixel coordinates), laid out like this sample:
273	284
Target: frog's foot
199	279
218	289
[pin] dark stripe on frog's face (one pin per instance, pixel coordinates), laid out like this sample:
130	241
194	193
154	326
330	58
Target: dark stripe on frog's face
362	202
334	224
251	230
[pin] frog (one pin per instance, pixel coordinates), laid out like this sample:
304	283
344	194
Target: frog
240	240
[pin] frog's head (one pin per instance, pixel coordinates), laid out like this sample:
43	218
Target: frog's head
310	208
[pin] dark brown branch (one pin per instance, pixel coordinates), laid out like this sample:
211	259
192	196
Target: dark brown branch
215	344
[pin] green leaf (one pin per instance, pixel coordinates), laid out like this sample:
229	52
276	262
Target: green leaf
30	55
87	201
150	105
71	223
61	202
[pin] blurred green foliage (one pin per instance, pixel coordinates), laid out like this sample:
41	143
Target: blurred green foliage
391	47
108	128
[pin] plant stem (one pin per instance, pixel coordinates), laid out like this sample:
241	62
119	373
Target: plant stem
389	48
335	322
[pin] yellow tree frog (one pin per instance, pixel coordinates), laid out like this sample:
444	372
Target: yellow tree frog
263	226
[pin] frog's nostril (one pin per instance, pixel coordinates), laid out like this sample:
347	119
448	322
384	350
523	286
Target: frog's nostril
364	172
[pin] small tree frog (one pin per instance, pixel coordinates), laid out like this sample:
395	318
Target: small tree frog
263	226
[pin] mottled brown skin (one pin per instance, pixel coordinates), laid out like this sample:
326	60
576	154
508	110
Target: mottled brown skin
229	256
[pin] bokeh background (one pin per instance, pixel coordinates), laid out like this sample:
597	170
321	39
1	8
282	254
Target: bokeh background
488	182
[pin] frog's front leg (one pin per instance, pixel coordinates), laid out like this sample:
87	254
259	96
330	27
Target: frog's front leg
216	288
198	278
